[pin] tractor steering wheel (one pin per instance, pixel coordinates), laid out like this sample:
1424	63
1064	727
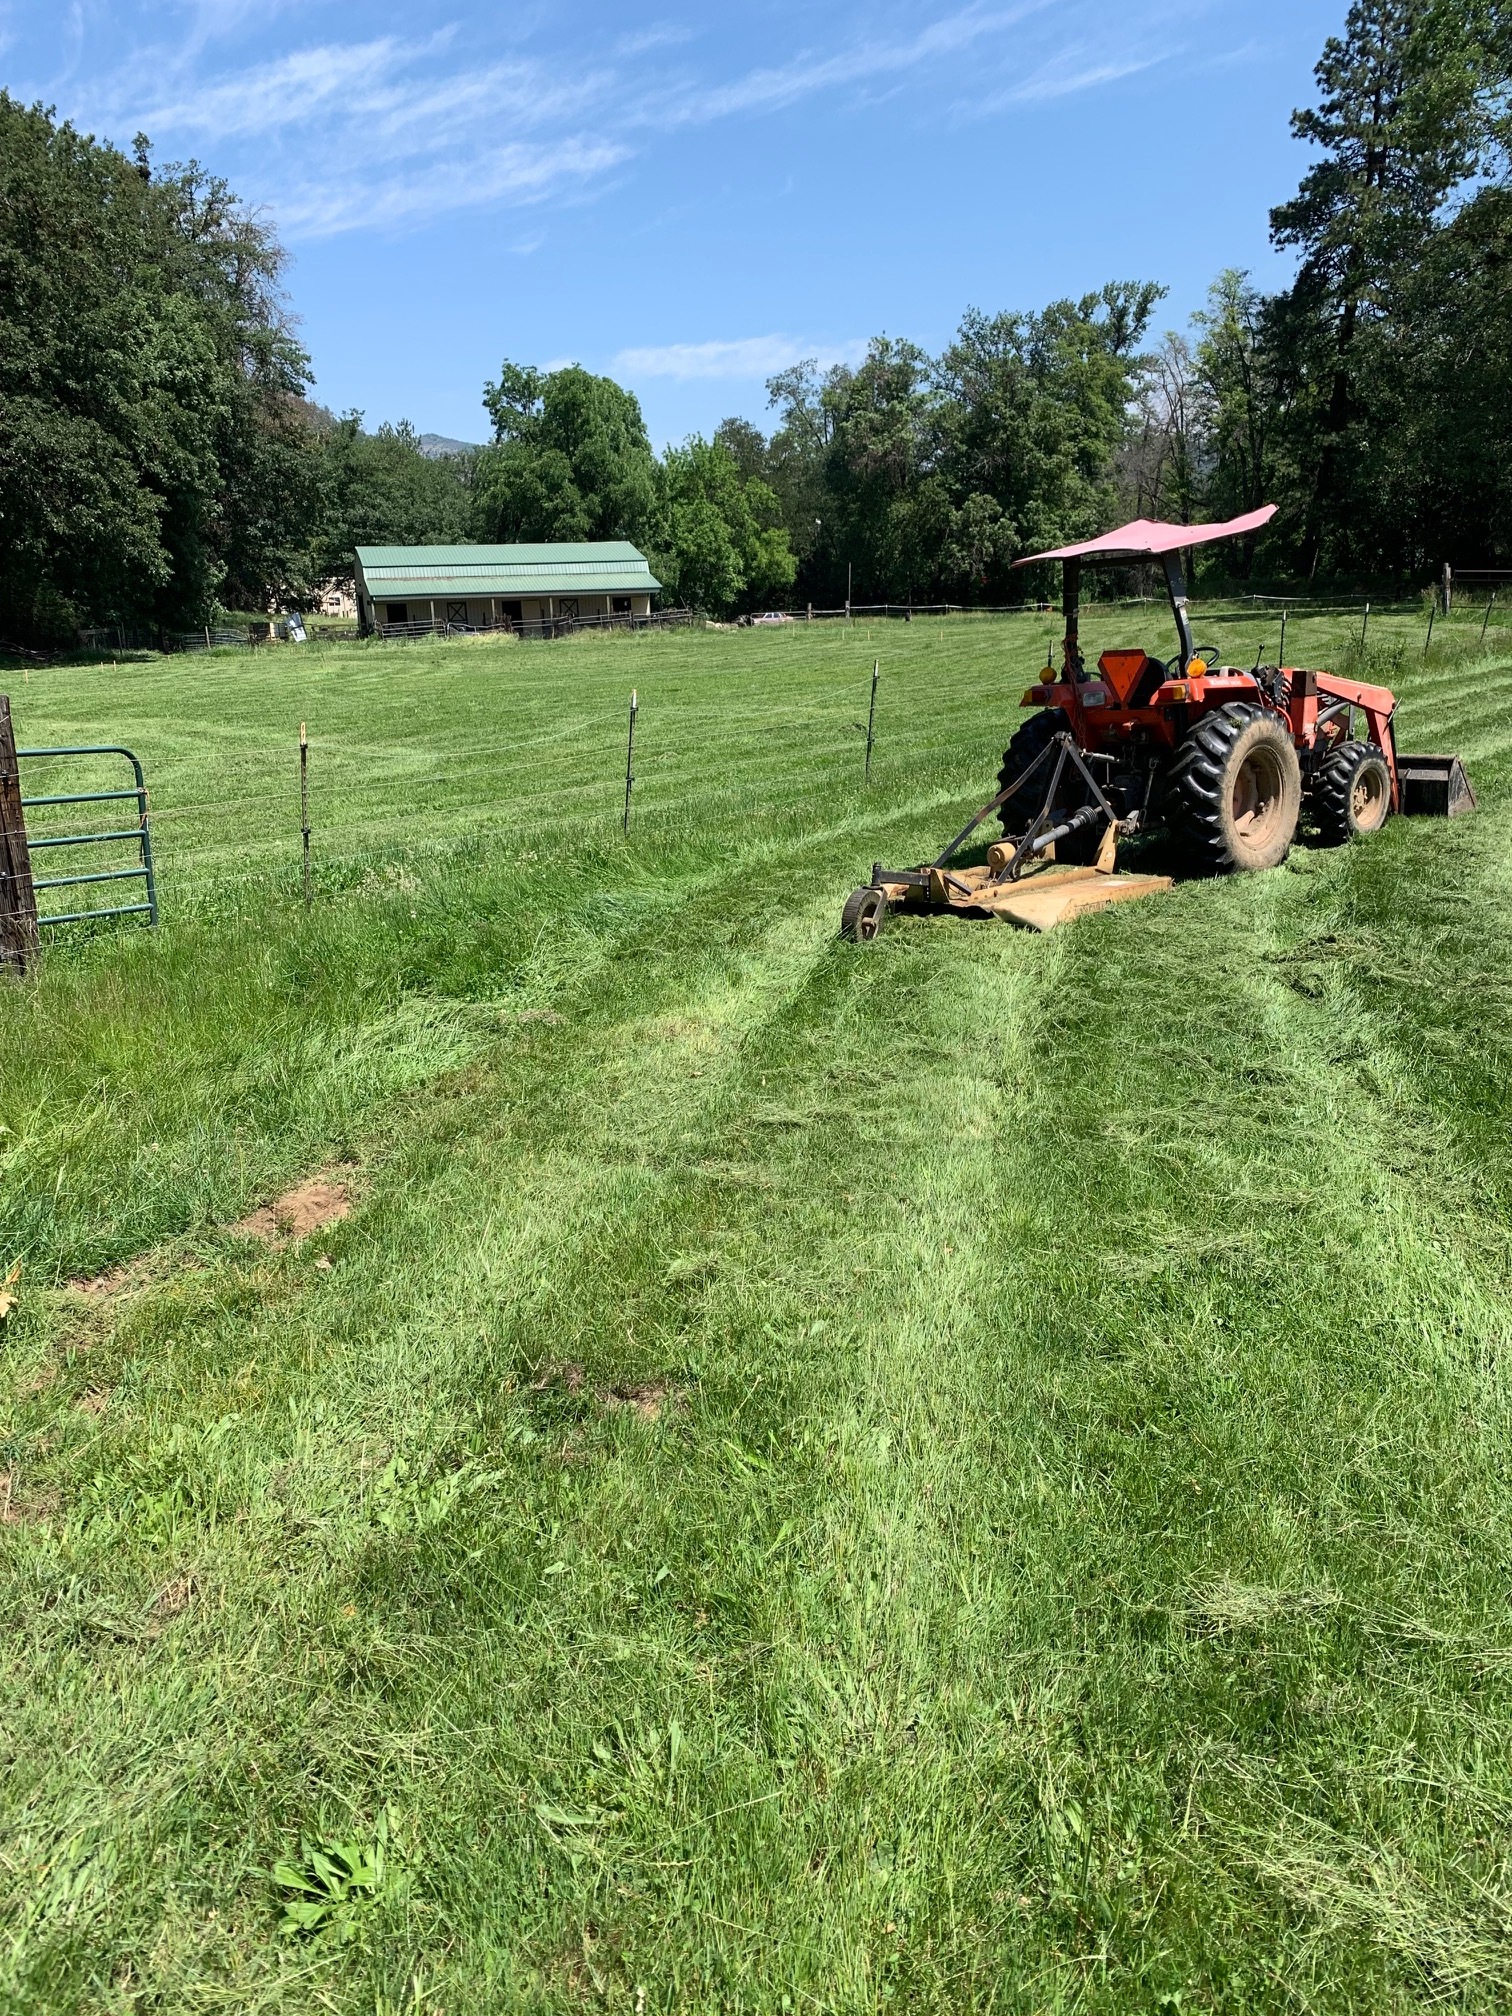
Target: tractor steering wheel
1210	654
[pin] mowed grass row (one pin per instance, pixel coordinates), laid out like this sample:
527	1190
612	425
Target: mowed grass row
969	1474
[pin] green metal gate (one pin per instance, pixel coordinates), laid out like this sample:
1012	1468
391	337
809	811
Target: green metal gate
141	833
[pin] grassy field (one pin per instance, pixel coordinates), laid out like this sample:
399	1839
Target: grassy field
969	1473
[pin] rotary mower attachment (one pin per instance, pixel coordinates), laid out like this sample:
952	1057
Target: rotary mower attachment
1022	881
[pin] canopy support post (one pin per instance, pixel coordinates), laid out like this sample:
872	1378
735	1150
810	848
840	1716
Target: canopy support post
1176	588
1071	603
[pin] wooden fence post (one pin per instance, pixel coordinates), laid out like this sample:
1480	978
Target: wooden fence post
18	900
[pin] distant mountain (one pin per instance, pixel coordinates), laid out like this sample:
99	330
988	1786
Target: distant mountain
437	445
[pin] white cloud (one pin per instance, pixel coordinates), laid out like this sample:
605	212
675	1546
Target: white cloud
508	175
661	35
770	90
391	130
284	93
1062	78
746	357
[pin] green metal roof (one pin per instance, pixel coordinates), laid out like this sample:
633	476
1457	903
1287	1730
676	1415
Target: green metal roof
597	567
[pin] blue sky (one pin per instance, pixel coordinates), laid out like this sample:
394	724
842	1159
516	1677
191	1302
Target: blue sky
689	197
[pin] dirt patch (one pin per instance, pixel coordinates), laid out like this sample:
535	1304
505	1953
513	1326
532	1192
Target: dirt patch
94	1399
99	1286
25	1508
175	1597
569	1377
318	1201
130	1275
650	1400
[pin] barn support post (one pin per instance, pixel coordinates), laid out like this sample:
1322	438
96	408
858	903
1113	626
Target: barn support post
18	899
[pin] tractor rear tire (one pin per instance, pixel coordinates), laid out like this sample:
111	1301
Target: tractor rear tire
1234	790
1015	813
1351	793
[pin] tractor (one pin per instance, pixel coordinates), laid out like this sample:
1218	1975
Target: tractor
1226	760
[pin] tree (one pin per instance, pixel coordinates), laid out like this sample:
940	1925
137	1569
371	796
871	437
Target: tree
382	490
1035	411
152	455
570	459
1402	123
1238	393
719	545
1165	460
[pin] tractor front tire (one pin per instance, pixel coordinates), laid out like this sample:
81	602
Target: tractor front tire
1015	813
1234	790
1351	793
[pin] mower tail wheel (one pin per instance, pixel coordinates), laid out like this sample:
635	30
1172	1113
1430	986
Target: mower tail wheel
1234	789
864	915
1015	813
1351	793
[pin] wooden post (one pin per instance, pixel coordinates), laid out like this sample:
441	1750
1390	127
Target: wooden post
871	717
1448	587
18	900
630	761
304	805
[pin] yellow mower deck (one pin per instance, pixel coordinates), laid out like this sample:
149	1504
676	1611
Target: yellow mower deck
1040	899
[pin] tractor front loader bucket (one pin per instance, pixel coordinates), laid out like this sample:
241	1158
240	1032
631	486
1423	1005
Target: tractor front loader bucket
1434	787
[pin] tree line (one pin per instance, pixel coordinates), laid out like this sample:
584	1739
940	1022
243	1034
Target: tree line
161	457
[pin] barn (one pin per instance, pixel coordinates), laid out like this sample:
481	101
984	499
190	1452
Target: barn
490	587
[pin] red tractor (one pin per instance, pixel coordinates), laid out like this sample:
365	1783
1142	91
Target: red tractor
1225	759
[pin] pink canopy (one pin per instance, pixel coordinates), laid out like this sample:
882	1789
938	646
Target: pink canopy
1146	539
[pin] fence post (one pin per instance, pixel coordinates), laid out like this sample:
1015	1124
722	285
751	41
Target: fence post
304	806
630	761
18	900
1283	636
1448	586
1365	627
1432	612
871	717
1487	617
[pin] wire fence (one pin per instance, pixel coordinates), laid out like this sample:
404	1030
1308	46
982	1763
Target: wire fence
1477	586
538	629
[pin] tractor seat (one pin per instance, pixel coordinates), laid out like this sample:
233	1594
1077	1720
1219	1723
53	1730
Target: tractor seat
1131	676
